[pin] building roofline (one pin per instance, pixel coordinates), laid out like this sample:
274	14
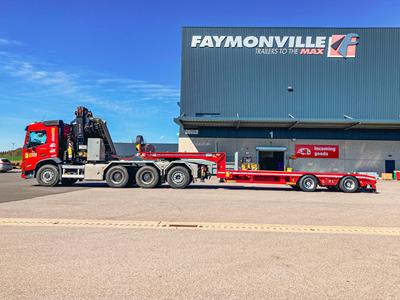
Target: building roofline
347	124
287	27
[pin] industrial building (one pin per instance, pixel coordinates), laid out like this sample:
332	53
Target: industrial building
318	99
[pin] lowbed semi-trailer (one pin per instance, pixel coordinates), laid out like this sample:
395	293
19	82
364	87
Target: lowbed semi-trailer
58	153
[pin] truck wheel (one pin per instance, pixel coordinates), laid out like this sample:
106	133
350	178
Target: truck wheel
48	175
308	183
147	177
178	177
348	184
68	181
117	177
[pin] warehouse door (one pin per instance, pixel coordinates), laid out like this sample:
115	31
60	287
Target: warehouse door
271	158
390	166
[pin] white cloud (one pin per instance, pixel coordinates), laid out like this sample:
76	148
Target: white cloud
9	42
116	94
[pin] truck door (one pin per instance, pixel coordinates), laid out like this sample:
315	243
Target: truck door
35	148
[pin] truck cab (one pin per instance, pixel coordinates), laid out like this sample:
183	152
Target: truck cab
55	152
44	144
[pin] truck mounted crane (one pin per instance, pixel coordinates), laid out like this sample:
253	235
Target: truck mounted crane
55	153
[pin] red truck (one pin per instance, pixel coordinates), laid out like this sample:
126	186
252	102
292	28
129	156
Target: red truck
58	153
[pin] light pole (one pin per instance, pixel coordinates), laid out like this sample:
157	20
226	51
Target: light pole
12	152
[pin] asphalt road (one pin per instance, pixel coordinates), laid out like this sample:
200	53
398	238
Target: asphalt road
38	261
14	188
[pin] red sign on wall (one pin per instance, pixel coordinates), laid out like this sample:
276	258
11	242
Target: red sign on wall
317	151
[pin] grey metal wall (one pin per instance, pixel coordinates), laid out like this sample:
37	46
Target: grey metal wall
232	81
354	156
129	149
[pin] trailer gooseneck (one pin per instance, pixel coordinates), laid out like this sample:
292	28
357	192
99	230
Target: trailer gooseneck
55	152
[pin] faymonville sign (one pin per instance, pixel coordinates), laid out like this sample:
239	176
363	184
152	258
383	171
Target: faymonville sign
337	45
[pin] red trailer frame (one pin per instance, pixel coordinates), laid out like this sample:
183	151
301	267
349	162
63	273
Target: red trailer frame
330	180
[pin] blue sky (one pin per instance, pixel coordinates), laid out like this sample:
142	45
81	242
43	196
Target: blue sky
122	58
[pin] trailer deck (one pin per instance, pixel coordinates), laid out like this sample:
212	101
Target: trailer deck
347	182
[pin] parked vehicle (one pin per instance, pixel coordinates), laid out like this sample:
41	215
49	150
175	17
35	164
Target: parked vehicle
55	152
5	165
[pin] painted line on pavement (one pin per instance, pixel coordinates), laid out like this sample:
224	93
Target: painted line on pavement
282	228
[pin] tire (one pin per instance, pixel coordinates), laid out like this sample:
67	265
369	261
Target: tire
147	177
68	181
117	177
308	183
178	177
349	184
48	175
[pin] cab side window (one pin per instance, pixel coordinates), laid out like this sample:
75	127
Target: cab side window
37	138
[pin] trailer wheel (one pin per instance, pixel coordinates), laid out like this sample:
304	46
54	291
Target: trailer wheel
48	175
178	177
308	183
147	177
348	184
117	177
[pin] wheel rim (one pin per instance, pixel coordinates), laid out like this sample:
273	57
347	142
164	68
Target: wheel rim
178	177
48	176
147	177
349	184
309	183
117	177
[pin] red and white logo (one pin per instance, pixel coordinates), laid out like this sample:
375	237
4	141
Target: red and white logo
303	151
343	45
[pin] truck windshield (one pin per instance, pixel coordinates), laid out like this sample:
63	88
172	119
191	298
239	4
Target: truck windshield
37	138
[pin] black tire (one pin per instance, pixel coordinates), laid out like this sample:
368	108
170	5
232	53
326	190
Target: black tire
48	175
117	177
348	184
147	177
308	183
68	181
178	177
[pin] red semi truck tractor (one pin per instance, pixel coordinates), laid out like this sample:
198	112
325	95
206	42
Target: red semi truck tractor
55	153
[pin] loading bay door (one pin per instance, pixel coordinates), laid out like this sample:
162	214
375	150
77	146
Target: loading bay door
271	158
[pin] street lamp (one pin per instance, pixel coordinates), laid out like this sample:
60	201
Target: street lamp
12	151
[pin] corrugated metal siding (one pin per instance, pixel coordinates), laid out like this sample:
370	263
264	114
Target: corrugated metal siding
236	81
312	134
129	149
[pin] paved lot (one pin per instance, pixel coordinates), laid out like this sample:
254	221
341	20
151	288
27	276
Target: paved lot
84	262
14	188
